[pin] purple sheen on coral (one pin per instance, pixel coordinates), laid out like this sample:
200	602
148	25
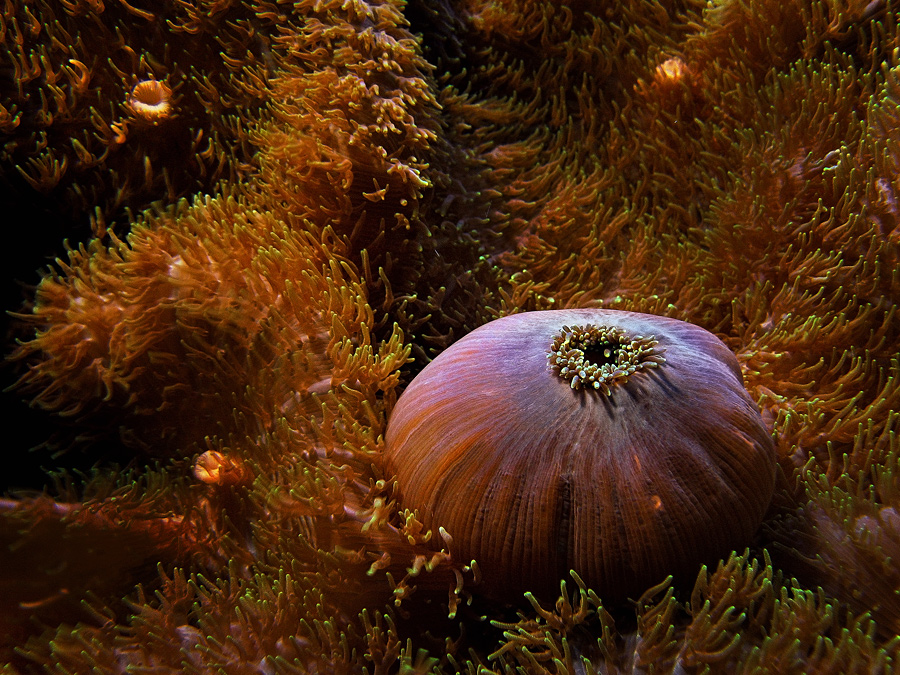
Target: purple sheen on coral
533	477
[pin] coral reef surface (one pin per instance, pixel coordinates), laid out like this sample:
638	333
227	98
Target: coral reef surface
277	213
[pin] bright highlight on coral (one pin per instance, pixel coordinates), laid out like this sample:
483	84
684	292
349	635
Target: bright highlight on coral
672	69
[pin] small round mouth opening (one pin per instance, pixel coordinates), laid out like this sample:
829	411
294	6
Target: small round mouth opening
599	358
603	354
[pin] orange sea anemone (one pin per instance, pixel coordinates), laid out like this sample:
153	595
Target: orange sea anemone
617	444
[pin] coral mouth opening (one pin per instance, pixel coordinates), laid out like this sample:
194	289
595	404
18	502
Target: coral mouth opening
601	357
603	354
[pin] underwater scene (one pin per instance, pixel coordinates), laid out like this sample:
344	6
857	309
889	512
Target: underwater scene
450	336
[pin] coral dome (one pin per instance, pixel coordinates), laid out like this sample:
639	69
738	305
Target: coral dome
619	445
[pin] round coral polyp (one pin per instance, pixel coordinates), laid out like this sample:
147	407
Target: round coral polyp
150	101
620	445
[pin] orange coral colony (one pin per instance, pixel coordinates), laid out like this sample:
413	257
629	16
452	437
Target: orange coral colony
246	462
618	444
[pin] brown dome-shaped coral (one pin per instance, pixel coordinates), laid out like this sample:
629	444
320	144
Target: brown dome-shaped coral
617	444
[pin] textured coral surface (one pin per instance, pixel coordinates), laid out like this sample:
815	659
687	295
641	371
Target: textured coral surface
338	191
